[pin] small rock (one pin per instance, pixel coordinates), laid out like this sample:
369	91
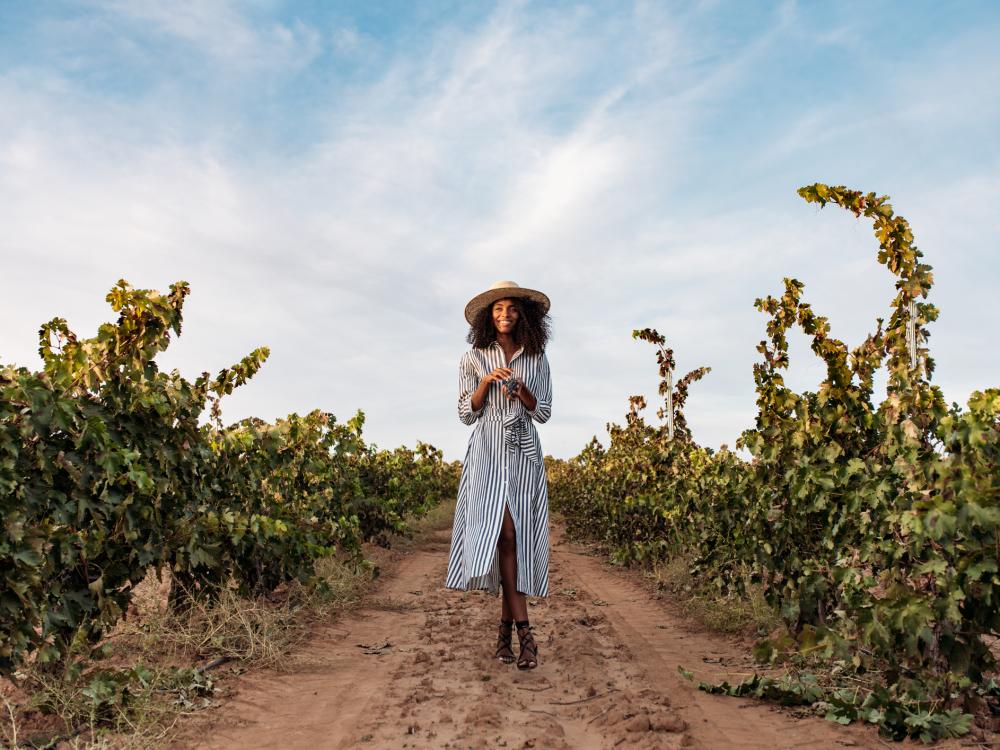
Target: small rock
616	717
672	724
638	723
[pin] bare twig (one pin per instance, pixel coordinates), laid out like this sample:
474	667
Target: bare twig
595	718
583	700
214	663
13	720
536	690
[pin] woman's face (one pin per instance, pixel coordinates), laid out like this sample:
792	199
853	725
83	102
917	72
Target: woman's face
505	314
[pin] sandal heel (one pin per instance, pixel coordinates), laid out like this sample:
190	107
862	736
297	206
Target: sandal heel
528	658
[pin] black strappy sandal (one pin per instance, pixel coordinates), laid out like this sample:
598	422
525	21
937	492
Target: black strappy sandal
505	651
528	658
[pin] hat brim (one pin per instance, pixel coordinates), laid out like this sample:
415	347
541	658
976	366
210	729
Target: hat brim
490	296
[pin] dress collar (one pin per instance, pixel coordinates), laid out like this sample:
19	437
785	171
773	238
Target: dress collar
497	345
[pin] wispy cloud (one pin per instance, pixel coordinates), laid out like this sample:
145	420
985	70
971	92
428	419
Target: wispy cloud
219	29
636	162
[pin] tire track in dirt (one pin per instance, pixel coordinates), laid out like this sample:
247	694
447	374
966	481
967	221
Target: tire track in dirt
607	676
329	683
662	643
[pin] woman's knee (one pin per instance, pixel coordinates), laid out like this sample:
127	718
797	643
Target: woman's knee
508	540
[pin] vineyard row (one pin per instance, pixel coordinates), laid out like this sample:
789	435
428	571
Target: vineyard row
874	529
107	472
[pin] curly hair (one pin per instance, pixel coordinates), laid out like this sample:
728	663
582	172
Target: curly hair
532	330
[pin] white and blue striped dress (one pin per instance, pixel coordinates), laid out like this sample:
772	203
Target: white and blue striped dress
504	462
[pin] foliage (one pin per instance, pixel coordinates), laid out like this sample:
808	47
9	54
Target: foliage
107	471
874	528
896	716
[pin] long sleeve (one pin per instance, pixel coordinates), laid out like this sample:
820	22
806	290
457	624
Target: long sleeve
467	384
543	396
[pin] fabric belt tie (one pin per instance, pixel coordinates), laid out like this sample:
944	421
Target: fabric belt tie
517	435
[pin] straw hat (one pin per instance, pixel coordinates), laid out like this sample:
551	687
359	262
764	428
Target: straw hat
502	290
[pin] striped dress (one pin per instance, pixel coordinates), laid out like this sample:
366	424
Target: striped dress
504	462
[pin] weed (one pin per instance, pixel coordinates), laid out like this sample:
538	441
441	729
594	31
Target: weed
747	613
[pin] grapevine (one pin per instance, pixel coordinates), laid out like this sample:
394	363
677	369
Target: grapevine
872	527
107	472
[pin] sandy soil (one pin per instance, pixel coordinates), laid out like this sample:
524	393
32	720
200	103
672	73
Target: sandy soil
414	669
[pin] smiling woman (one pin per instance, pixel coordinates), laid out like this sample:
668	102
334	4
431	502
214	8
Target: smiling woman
500	531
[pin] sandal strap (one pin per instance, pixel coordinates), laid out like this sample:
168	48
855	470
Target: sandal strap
504	636
529	648
504	644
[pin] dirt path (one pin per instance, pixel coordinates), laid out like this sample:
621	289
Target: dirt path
607	676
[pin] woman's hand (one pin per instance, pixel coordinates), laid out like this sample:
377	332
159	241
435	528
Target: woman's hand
522	392
499	375
526	397
518	389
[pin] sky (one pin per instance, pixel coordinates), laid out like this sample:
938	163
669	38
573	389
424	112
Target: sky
336	180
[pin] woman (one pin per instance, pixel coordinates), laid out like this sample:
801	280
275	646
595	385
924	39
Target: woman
501	528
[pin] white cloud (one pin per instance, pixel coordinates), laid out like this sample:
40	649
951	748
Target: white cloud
562	150
221	30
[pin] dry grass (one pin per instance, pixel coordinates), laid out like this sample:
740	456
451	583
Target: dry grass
65	708
345	584
747	614
423	530
391	604
9	726
255	633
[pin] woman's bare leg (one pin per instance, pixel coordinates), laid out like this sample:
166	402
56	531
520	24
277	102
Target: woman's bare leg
514	605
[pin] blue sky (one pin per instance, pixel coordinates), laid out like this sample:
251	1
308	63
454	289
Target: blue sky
335	180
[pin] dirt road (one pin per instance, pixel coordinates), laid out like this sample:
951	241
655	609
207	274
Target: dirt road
607	677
